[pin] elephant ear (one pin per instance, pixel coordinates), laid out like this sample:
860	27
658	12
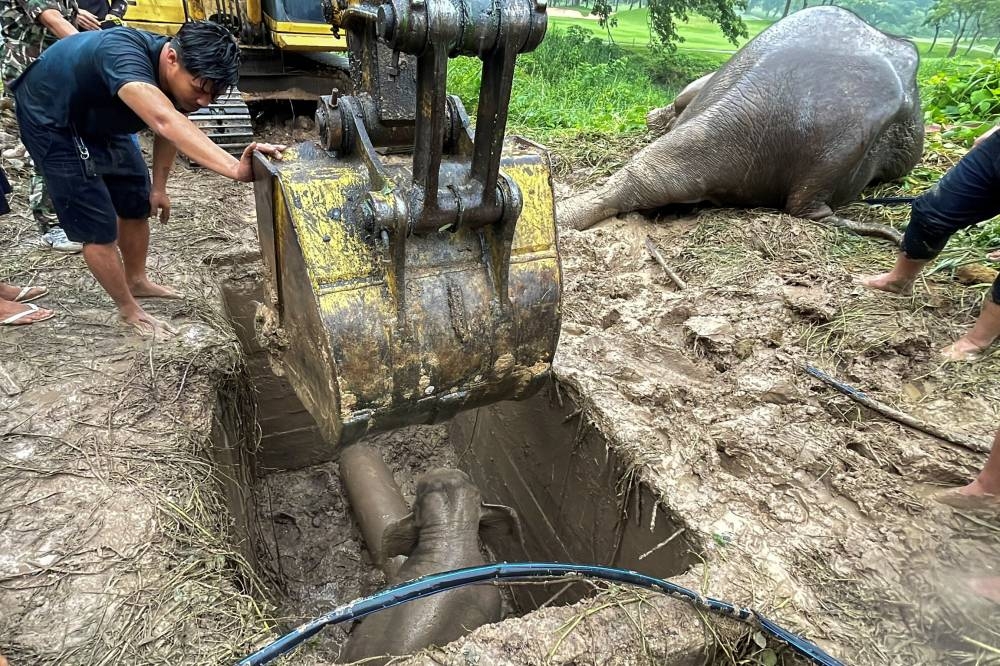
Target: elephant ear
498	522
400	537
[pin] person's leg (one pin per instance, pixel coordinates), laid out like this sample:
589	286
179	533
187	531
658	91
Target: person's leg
133	239
129	190
965	195
106	264
987	483
87	214
982	334
45	217
901	278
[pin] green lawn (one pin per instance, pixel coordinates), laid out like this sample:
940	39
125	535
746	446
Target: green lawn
632	31
700	34
983	49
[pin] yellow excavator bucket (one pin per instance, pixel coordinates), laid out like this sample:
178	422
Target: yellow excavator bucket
462	339
413	268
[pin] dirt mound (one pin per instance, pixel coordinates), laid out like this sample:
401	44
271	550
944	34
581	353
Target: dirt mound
809	507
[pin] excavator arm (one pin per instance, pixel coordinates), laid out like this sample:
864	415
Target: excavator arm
411	259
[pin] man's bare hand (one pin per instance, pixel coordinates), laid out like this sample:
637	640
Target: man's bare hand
159	204
244	172
87	21
987	134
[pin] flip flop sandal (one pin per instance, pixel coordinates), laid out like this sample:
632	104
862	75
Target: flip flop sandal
15	320
22	296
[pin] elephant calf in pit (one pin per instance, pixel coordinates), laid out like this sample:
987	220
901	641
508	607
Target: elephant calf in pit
442	534
802	118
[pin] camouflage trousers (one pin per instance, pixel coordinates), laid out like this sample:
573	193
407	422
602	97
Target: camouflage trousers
40	203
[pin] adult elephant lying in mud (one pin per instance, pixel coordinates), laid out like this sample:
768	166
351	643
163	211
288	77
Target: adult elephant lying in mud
802	118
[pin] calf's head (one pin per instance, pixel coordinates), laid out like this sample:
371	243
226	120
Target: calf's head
449	505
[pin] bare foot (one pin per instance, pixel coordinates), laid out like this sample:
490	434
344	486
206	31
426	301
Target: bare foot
9	292
147	289
988	588
147	325
971	497
10	309
962	349
886	282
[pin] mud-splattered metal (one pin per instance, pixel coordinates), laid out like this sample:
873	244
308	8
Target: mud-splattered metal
359	366
413	269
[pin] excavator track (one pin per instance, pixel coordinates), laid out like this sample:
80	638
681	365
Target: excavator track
226	122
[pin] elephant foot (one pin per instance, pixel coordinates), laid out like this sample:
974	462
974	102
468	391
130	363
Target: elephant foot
873	229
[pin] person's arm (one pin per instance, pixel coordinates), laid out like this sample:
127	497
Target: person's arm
164	153
54	21
86	20
149	103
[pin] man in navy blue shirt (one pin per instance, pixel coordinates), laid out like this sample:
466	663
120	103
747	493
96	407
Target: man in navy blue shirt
77	105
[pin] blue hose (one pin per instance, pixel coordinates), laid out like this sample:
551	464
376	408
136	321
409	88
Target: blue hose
435	583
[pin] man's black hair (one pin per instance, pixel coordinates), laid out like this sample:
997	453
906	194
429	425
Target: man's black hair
208	51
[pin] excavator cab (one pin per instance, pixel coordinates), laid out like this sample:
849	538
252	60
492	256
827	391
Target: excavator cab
412	266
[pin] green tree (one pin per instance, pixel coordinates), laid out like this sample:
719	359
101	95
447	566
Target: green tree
903	17
962	16
602	9
664	14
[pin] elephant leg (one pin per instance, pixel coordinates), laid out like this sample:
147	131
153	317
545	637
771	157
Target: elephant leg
584	211
668	171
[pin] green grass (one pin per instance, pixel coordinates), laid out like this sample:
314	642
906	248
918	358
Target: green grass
632	31
700	34
570	84
983	49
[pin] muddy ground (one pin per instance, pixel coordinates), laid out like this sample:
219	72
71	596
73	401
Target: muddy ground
118	546
813	509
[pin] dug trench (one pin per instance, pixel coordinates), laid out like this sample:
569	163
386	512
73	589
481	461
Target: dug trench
681	437
576	500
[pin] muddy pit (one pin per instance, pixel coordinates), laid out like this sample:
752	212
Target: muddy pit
576	501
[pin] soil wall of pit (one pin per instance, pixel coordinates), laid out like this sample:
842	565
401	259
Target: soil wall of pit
577	502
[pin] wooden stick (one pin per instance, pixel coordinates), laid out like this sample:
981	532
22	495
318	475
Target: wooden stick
896	415
674	277
7	383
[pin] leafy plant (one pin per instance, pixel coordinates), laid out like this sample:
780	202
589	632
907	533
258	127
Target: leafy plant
963	97
676	70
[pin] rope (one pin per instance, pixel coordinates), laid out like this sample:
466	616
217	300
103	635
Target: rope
888	201
441	582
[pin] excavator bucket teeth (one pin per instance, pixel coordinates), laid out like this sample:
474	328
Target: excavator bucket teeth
369	349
